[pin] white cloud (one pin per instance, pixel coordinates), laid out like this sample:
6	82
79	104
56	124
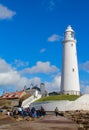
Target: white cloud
42	50
6	13
50	4
86	90
35	81
41	67
54	38
19	63
11	79
4	67
84	83
54	85
84	86
84	66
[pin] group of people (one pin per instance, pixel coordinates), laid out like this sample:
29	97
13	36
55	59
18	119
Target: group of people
32	112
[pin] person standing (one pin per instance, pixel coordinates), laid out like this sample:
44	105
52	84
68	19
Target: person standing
56	111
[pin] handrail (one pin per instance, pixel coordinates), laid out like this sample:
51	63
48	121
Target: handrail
29	100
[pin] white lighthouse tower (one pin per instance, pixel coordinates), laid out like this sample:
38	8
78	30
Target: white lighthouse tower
70	76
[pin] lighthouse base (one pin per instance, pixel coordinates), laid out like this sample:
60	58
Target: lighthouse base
70	92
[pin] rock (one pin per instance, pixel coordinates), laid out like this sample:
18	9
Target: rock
80	117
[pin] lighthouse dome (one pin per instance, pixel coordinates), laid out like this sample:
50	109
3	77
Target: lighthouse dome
69	34
69	29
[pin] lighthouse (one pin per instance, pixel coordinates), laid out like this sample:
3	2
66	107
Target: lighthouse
70	77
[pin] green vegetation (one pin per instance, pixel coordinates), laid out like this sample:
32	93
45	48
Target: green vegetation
59	97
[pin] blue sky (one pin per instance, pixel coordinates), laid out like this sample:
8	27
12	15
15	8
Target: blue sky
31	33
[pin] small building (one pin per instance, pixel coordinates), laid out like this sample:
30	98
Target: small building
42	89
33	91
13	95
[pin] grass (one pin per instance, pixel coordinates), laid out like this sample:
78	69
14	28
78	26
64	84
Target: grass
58	97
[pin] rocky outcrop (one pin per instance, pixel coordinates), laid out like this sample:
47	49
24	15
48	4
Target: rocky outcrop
80	117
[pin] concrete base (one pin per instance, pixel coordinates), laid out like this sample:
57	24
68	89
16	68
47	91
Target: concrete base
70	92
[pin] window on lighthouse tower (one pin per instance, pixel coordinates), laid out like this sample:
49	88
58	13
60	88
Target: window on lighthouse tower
73	69
72	44
72	34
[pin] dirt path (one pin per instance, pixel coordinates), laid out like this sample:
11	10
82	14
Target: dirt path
49	122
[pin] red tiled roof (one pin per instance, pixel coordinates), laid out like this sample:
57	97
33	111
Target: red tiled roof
16	94
19	93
